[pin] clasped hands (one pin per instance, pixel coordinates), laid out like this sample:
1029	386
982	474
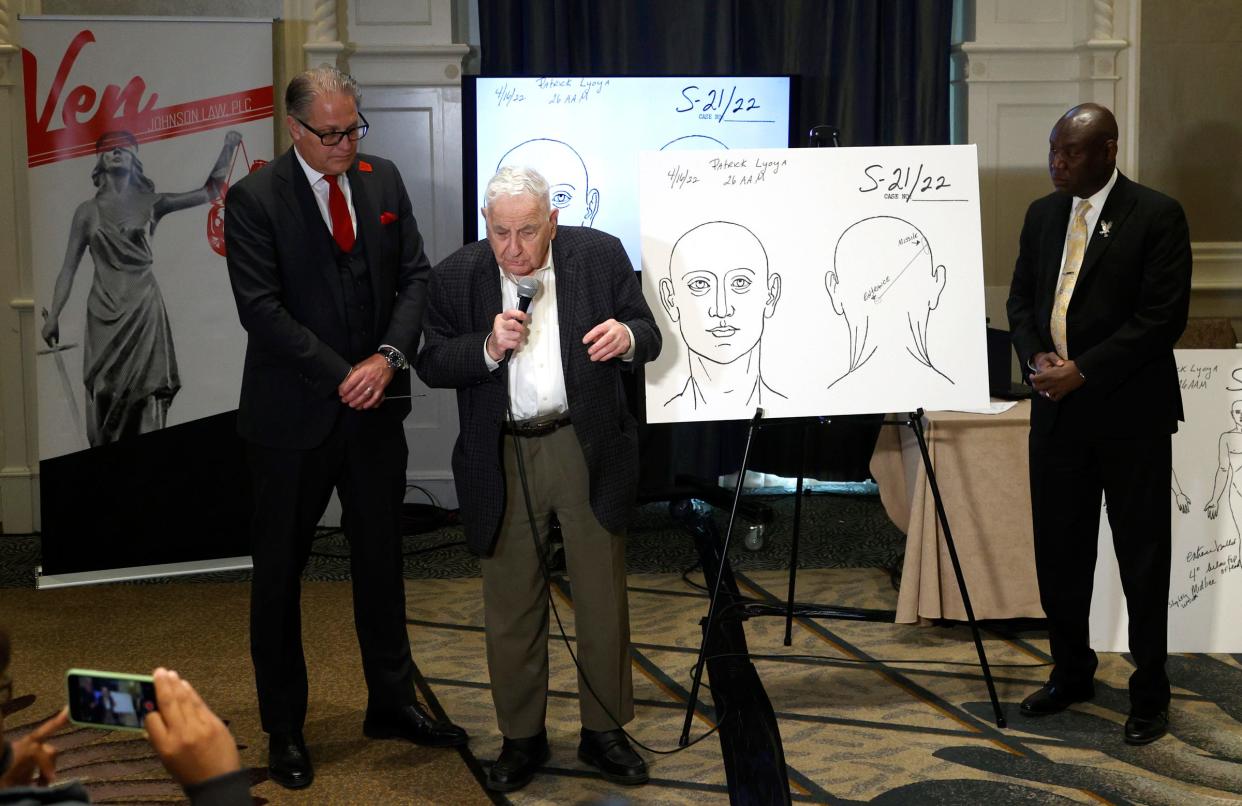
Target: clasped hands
1054	377
607	340
364	385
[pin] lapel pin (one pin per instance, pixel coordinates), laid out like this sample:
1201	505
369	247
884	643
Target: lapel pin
1106	227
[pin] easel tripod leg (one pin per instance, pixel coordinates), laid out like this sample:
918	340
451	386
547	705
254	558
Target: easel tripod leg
916	423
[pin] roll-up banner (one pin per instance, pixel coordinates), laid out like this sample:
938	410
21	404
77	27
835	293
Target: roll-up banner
135	129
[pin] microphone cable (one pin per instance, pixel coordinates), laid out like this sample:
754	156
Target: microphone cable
541	556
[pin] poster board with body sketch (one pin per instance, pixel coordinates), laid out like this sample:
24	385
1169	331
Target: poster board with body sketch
813	281
1205	504
585	134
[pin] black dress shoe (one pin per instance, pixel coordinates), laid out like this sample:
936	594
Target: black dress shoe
1054	698
288	762
518	761
609	752
1146	729
414	724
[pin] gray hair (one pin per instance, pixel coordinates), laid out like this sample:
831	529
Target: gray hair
517	181
322	80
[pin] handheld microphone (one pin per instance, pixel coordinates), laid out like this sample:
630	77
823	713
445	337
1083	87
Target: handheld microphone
527	288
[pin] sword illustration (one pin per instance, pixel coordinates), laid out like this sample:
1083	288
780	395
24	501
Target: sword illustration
55	351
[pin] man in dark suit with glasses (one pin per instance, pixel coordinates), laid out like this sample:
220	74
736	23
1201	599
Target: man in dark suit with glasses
329	275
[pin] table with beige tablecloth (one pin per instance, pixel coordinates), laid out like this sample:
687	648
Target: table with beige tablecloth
980	461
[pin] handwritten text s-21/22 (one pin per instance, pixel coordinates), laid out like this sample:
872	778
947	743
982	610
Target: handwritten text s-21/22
905	182
718	103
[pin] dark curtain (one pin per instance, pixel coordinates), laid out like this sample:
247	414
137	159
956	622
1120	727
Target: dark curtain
878	70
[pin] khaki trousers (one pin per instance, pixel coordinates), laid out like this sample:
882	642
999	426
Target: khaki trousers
515	598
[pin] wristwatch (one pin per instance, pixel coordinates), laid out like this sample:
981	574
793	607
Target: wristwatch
394	357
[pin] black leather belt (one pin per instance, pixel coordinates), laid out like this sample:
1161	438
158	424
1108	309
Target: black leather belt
535	428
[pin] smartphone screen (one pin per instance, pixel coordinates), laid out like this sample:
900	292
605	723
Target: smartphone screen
110	699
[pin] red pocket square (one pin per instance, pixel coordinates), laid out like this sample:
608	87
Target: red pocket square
364	166
387	218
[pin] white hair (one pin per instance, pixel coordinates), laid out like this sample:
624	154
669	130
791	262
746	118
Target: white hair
517	181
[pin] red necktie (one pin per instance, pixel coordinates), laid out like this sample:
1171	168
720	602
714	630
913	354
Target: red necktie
342	225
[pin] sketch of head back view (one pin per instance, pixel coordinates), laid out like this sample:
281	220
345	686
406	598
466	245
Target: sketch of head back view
885	283
566	172
719	290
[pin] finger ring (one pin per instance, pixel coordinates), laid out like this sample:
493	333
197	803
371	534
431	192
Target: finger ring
369	389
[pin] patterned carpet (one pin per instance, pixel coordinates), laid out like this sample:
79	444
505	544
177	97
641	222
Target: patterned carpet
868	713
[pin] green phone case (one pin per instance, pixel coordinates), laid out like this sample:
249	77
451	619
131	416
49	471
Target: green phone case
121	709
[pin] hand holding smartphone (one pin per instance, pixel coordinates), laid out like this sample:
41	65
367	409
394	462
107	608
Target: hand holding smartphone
111	700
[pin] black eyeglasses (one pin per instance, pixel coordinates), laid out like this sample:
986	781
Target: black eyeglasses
329	139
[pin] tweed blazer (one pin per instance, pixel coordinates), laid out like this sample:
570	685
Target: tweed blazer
594	283
288	291
1129	307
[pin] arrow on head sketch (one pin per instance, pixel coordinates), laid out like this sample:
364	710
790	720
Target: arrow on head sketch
885	284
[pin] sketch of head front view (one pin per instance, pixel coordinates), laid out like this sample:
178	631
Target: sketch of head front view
885	283
720	290
567	176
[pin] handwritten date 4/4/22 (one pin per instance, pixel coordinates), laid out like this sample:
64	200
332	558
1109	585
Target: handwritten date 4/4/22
903	182
715	104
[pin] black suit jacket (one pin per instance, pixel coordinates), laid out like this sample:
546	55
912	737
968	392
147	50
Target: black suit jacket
285	280
594	283
1128	309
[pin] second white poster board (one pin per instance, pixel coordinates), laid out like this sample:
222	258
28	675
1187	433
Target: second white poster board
813	281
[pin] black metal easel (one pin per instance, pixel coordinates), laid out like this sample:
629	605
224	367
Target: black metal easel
914	422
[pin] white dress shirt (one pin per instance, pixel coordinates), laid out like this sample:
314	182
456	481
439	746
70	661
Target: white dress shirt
319	186
536	375
1093	217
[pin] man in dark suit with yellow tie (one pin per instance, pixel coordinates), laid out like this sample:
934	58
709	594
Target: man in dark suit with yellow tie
1100	294
557	368
328	271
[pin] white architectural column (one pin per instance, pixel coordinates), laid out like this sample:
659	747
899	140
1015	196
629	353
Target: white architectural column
19	452
1017	66
323	45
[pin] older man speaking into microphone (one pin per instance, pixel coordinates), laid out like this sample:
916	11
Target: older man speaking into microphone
534	333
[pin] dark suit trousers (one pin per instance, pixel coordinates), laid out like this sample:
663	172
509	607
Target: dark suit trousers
515	598
1068	472
364	458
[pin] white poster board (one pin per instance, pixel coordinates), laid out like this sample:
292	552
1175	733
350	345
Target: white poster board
585	134
813	281
1205	504
147	280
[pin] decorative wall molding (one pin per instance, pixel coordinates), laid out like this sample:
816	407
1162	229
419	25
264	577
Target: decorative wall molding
404	65
1217	266
1019	65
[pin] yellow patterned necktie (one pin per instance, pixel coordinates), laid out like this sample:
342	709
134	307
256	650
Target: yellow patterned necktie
1075	247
